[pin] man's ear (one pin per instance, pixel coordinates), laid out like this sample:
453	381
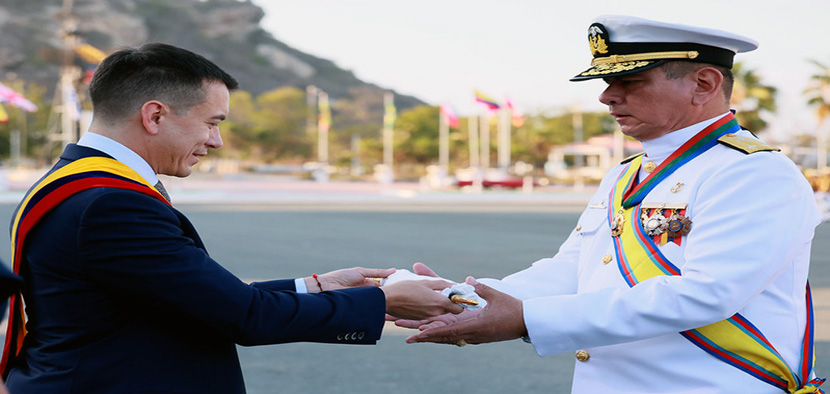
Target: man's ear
152	115
708	82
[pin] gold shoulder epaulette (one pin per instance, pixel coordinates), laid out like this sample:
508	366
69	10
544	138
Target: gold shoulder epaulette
745	144
632	157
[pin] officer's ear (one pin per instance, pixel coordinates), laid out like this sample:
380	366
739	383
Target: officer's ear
708	82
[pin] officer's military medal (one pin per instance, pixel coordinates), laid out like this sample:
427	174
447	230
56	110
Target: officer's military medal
678	226
654	225
617	224
665	221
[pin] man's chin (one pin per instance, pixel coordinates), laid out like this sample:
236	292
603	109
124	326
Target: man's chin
179	173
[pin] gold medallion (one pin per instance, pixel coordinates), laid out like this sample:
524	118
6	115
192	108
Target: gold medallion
617	224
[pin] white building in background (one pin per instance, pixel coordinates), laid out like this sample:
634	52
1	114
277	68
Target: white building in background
597	155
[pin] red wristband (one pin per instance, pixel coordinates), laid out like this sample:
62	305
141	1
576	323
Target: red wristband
318	281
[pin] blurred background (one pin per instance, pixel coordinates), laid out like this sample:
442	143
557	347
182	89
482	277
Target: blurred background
462	93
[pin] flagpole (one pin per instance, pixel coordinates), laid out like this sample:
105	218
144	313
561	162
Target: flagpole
578	135
484	127
68	73
443	142
504	139
323	129
472	131
388	139
311	107
357	168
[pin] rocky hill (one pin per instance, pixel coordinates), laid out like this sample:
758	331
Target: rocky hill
225	31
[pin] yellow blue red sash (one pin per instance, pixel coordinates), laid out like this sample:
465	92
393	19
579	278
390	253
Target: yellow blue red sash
735	341
80	175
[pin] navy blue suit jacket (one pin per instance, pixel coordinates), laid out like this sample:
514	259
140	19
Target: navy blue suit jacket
122	297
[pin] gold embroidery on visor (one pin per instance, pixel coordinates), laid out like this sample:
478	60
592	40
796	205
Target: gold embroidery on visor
611	68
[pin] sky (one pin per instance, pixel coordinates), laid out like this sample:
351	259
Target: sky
440	51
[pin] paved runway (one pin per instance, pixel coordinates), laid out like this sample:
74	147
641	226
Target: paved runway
257	240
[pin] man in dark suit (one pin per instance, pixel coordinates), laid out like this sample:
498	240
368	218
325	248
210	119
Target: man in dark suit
120	293
9	283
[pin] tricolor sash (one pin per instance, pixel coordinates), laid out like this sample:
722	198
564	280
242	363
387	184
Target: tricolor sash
735	341
77	176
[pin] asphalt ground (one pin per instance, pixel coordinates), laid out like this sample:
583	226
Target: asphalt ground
257	240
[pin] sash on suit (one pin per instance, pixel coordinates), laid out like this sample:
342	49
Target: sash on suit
80	175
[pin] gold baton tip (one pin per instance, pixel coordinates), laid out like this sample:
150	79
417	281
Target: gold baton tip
458	299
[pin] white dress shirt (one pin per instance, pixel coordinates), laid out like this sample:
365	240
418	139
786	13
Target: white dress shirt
121	153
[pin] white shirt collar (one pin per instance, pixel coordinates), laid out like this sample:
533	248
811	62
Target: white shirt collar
660	148
121	153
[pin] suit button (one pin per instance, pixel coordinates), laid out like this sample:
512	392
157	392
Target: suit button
582	356
607	259
578	228
361	335
340	336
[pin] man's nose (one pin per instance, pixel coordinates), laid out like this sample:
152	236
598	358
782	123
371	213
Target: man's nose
610	96
215	140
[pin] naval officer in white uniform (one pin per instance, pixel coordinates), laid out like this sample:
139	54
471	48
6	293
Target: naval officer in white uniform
688	257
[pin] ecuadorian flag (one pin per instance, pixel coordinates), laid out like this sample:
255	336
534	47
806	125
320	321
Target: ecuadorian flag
490	103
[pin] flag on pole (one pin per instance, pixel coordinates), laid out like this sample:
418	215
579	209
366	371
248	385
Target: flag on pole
90	54
490	103
517	118
324	116
390	113
449	115
4	117
13	98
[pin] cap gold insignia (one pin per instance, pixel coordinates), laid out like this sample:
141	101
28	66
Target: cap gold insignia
596	42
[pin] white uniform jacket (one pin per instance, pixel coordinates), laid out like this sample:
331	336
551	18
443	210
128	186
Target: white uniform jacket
753	218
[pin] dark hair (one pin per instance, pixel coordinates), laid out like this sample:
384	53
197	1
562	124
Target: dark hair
678	68
127	79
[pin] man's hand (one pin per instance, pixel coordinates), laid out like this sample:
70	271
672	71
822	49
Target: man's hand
422	269
418	299
437	321
346	278
501	320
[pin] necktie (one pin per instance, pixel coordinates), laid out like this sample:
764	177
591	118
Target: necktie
160	187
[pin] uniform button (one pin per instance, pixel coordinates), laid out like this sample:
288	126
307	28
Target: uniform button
582	356
578	228
607	259
340	336
361	335
650	166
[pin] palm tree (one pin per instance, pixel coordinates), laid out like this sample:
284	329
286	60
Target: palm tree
751	98
818	96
